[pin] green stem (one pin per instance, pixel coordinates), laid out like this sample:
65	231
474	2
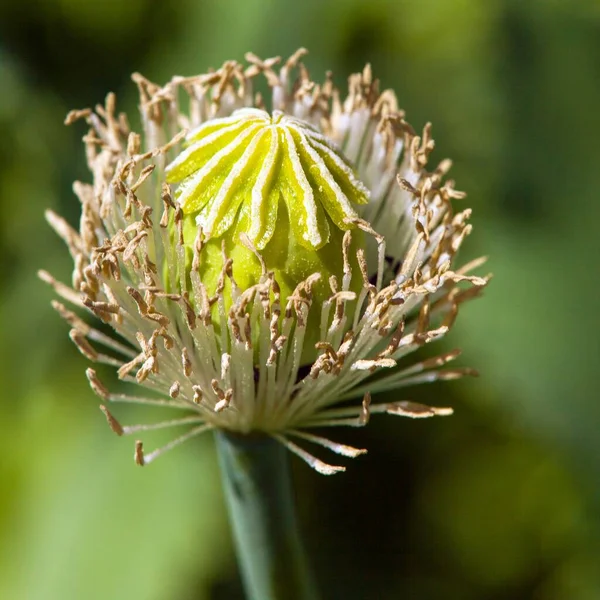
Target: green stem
258	490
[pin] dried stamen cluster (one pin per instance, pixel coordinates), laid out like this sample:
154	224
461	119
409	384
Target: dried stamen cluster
232	355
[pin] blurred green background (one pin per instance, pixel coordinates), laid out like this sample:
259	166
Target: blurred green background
501	501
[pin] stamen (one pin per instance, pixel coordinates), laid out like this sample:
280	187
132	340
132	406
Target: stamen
315	463
413	410
89	352
142	459
330	445
97	386
97	336
185	362
365	413
373	364
112	422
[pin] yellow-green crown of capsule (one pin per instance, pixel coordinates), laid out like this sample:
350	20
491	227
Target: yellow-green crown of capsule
238	170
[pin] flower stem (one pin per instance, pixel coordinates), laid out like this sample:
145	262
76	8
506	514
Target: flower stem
258	490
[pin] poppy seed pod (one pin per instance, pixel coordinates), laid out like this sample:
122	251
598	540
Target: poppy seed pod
264	264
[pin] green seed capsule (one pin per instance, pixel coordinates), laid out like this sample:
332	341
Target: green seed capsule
284	185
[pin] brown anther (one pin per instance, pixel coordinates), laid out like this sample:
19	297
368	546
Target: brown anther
112	422
134	143
262	66
225	365
224	402
185	362
128	367
75	115
276	346
144	174
137	297
118	185
150	366
205	306
188	310
157	317
394	342
129	203
452	374
216	389
274	326
172	143
406	185
174	389
365	413
323	364
179	225
415	410
248	332
198	395
197	249
138	455
364	271
91	285
373	365
346	242
97	386
129	255
123	124
145	213
346	345
168	204
327	349
101	308
168	341
294	59
83	345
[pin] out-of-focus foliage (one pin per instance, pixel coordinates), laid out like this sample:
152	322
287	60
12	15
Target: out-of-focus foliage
500	501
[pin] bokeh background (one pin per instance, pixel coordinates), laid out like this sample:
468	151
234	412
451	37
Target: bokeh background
499	502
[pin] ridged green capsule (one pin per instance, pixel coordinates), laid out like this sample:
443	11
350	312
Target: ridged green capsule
284	185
